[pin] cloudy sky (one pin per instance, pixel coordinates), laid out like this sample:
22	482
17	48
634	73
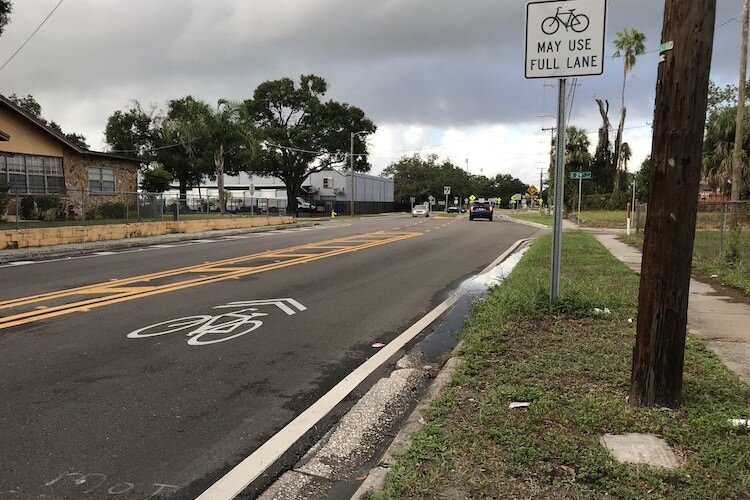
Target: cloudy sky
438	76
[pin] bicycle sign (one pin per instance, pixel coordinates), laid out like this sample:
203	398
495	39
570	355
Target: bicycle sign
565	38
208	329
568	20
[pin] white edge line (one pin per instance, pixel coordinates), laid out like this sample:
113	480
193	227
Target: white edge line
247	471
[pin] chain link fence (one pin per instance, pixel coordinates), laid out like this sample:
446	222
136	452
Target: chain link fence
86	207
722	234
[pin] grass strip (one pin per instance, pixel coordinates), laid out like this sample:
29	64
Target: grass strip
732	268
574	368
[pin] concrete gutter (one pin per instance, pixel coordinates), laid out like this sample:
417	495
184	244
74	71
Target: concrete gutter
375	480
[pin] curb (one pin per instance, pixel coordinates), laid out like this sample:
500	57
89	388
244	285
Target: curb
376	478
86	248
527	223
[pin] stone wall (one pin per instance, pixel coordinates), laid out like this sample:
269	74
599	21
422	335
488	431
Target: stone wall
26	238
77	178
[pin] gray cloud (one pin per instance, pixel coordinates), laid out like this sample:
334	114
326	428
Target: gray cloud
436	63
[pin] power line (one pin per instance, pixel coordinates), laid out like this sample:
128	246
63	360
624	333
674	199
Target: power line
14	54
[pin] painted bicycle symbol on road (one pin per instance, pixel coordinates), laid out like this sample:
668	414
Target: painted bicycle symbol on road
205	329
576	22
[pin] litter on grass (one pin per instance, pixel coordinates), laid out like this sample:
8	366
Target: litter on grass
378	345
740	422
518	404
599	311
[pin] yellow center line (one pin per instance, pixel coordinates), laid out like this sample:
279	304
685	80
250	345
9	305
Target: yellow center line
113	292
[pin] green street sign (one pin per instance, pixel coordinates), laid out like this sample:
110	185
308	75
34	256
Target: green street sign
580	175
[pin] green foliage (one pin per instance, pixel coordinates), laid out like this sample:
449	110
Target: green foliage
130	132
574	369
283	115
29	104
718	146
48	202
109	210
5	196
179	146
5	9
642	178
27	208
723	97
424	176
156	180
630	45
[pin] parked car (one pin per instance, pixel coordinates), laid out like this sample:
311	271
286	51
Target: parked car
453	210
304	206
420	211
480	210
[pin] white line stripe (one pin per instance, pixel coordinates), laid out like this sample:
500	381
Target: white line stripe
161	246
104	253
21	263
237	479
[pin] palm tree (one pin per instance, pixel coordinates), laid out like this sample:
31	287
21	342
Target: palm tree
630	45
718	146
227	138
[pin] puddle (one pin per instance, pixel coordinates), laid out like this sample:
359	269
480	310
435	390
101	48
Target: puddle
443	337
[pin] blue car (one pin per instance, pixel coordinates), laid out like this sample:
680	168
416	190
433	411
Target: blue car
480	210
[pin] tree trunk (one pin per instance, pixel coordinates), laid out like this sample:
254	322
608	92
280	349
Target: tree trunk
679	120
183	189
219	163
618	149
737	184
292	188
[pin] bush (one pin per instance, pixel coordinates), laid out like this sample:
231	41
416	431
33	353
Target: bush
112	210
5	196
92	213
609	201
48	202
27	208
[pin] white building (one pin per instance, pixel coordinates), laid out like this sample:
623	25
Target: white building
328	185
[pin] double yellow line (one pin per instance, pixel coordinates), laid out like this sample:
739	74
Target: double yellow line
116	291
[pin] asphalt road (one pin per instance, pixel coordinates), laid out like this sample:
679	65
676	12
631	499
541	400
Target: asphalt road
87	412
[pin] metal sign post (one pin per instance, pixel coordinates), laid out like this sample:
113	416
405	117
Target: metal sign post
580	176
554	293
563	39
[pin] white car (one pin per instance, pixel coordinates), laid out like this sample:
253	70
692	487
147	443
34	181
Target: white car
420	211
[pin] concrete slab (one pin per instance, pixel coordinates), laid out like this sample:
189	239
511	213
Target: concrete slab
718	320
353	440
294	485
640	449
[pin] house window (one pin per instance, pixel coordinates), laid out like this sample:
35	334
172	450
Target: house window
28	174
101	180
327	182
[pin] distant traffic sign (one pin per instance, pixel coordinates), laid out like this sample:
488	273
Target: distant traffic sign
580	175
431	199
447	190
565	38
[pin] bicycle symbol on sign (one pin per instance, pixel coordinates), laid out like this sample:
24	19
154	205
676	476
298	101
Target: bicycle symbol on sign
207	329
576	22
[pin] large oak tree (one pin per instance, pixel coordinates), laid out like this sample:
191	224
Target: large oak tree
301	133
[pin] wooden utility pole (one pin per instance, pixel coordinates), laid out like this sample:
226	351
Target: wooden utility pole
679	119
739	134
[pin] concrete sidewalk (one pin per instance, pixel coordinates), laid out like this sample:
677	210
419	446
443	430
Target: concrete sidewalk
722	324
